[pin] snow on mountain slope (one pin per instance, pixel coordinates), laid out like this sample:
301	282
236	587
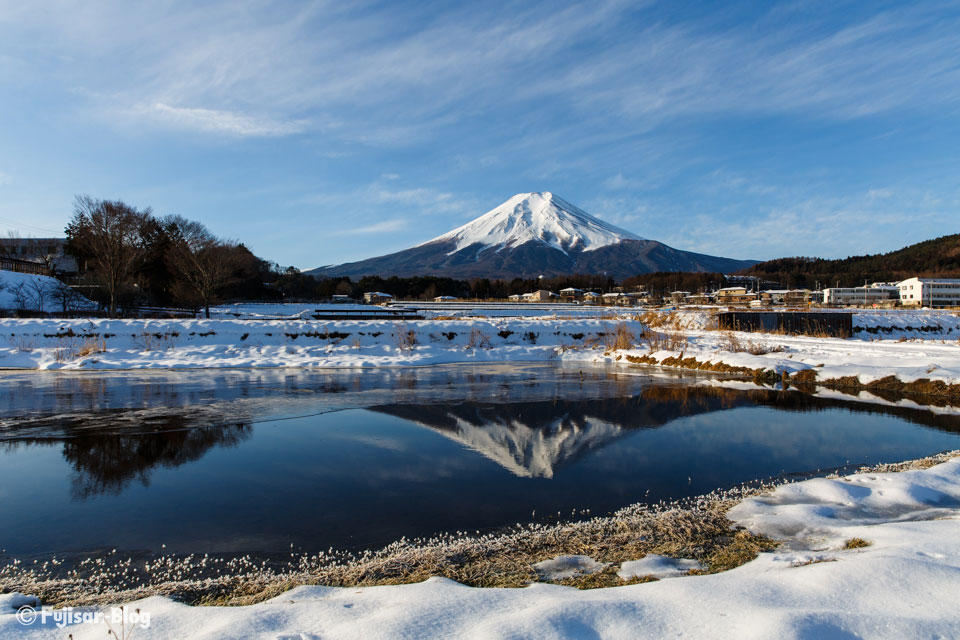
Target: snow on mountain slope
539	217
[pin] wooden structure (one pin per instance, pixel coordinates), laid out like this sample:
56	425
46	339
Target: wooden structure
838	325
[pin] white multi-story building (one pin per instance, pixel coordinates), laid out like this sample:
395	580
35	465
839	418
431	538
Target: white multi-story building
930	292
870	294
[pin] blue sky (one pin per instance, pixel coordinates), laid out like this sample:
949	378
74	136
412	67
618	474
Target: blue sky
318	133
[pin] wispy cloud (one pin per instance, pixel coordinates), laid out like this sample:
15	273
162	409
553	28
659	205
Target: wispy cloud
398	75
212	120
386	226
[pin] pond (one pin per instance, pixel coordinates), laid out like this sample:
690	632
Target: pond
265	461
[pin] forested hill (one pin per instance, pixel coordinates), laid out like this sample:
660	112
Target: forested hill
939	257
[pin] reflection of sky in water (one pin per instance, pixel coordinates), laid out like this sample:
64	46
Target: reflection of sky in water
433	456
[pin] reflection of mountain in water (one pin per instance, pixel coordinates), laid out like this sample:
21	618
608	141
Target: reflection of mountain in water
527	439
534	439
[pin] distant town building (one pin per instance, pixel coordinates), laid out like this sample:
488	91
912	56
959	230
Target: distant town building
876	293
734	295
929	292
376	297
699	298
27	254
445	299
795	297
774	296
540	295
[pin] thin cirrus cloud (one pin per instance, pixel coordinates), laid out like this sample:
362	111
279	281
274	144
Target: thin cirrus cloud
663	116
385	226
218	121
457	64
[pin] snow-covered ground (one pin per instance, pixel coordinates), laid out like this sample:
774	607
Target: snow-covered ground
829	357
911	345
136	344
37	293
903	583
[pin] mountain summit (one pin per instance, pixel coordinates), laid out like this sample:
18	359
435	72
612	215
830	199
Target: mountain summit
536	217
530	235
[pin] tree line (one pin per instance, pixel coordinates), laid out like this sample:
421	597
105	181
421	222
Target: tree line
293	284
936	258
127	256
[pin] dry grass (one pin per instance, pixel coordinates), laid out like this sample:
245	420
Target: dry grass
147	341
72	348
658	320
619	338
731	342
856	543
891	385
478	340
405	338
673	340
602	579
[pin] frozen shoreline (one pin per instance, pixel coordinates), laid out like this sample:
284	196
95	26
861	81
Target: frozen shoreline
902	583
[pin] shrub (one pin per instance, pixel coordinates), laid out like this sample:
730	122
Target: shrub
620	338
405	338
478	339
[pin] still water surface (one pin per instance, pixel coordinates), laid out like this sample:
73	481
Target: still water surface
257	461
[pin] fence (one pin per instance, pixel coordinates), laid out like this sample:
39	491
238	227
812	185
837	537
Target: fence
804	323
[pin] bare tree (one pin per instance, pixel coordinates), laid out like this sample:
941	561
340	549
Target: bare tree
8	245
204	262
64	295
21	295
38	289
109	233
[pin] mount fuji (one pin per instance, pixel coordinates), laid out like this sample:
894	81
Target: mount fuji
530	235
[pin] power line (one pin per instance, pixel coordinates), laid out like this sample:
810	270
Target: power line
31	227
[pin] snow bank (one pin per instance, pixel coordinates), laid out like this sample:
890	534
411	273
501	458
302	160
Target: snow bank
820	513
137	344
567	567
36	293
657	566
903	584
906	323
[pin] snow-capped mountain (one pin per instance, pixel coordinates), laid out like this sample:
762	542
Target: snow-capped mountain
536	217
530	235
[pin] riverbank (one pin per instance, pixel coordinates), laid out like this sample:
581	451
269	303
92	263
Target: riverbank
872	554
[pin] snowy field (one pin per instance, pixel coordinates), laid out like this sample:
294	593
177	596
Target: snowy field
871	555
911	345
136	344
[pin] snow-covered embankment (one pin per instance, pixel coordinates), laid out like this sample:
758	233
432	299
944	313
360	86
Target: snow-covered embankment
135	344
